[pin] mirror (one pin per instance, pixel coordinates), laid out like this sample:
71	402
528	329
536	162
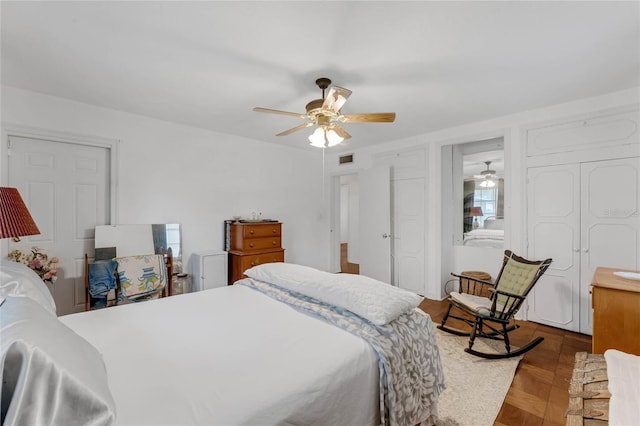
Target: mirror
131	240
482	194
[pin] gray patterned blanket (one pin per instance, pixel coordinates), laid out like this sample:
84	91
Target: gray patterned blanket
411	374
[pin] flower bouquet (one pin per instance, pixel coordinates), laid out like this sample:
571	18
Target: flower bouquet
45	267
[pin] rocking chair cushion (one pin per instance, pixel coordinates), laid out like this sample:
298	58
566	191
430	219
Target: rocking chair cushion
478	304
516	277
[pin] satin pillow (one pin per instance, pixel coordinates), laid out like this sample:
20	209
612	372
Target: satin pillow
18	280
50	375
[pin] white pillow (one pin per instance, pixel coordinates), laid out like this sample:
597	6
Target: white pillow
374	300
49	374
18	280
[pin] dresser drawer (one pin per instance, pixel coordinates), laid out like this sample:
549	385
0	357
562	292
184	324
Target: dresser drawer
240	262
249	261
259	244
252	237
261	230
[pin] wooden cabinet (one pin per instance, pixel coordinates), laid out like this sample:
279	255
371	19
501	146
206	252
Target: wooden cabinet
253	244
616	312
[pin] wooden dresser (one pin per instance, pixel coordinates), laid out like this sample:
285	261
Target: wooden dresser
616	312
252	244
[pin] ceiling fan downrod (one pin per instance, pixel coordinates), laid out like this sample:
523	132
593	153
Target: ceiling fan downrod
323	83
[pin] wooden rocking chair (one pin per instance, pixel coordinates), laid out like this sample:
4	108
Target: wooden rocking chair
492	316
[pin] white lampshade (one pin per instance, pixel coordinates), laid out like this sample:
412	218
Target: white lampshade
323	138
487	183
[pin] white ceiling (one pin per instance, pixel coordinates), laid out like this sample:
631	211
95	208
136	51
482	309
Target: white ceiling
207	64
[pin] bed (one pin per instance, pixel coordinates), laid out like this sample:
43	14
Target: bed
289	345
491	235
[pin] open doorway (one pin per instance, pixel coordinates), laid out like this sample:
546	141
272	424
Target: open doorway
379	213
349	211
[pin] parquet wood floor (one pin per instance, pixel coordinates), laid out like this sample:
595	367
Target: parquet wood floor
539	393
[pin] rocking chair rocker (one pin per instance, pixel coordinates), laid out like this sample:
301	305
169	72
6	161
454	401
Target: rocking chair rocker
492	316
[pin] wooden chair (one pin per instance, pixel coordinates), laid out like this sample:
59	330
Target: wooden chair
492	316
158	284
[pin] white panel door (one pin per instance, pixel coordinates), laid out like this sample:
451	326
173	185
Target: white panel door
554	231
409	234
610	222
375	223
66	187
583	216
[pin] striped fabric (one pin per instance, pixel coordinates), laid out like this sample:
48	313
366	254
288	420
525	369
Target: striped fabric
15	219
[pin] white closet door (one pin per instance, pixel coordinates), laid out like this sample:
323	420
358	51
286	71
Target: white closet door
375	222
409	234
583	216
66	187
610	222
554	231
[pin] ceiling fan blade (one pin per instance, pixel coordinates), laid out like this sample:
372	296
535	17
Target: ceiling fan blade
277	111
295	129
340	131
336	98
379	117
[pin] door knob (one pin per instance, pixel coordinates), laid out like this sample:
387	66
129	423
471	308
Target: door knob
385	235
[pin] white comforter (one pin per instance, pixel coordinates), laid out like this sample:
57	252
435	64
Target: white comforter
230	356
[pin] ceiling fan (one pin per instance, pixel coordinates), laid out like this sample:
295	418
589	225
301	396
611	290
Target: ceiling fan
487	176
326	114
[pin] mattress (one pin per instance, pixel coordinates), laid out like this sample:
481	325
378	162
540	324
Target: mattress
227	356
484	238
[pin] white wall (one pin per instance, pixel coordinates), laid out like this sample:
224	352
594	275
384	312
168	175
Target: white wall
512	128
170	173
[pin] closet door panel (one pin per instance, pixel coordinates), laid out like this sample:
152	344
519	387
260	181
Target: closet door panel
610	219
553	231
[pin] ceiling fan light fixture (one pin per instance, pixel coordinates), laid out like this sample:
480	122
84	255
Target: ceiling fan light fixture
487	183
324	138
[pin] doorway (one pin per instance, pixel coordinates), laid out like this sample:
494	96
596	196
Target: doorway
67	186
384	211
349	204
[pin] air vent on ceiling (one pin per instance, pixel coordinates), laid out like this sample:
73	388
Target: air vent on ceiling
346	159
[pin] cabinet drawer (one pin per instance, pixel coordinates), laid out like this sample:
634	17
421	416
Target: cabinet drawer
261	230
255	244
242	233
247	262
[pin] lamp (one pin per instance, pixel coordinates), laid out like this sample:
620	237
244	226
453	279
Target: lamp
487	183
15	219
323	137
475	212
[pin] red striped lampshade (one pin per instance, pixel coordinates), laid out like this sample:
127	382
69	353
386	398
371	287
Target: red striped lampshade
475	211
15	219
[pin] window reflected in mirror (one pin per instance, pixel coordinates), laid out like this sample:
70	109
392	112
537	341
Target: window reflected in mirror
483	193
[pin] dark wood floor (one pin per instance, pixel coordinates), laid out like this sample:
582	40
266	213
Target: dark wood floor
539	392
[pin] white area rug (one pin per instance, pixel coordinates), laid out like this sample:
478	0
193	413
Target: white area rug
476	387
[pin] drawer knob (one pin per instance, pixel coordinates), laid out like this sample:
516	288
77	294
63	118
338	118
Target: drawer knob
251	231
273	243
251	245
253	263
274	230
